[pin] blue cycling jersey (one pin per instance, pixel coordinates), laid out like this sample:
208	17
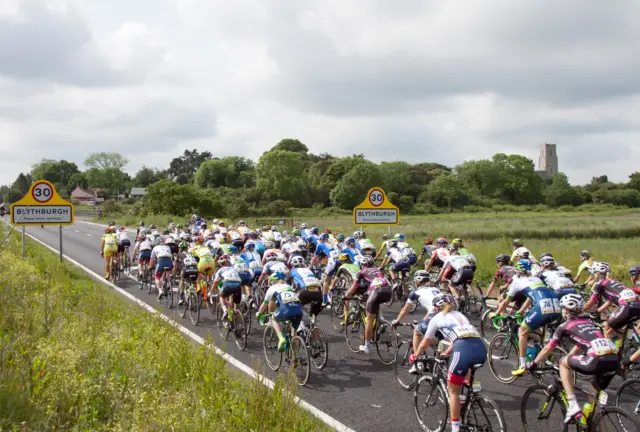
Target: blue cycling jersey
352	252
325	249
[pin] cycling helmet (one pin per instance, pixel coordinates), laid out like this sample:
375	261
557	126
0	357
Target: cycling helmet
356	234
363	235
297	261
572	302
350	240
585	254
328	231
456	241
112	223
516	242
421	276
453	247
546	254
324	237
304	226
141	223
107	230
271	256
628	295
280	257
525	263
152	226
344	258
233	249
635	270
439	300
428	241
250	245
368	249
166	232
547	260
172	225
392	243
179	226
340	237
274	228
142	237
279	275
215	221
314	230
183	245
385	236
155	233
601	267
367	261
120	228
241	222
442	241
198	240
399	236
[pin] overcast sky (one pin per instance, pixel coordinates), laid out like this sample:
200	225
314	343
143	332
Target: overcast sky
438	81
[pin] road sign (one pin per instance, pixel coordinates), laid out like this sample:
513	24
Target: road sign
376	209
42	206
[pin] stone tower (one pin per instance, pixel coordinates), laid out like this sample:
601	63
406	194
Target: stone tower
548	160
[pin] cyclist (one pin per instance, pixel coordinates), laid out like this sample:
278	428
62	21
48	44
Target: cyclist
466	345
398	258
634	272
142	251
423	295
310	290
123	242
604	288
544	308
586	262
252	258
465	252
273	264
555	278
108	248
439	255
161	257
245	273
628	312
427	249
206	262
383	246
189	269
351	250
171	242
140	228
505	272
231	285
521	252
286	303
324	249
457	270
379	292
598	354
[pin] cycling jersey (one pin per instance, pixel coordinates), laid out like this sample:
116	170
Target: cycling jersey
227	274
546	307
506	273
231	283
110	240
275	266
424	296
253	259
371	278
241	266
353	254
610	289
304	278
145	246
326	250
288	303
586	334
452	326
161	251
428	250
466	253
555	280
521	252
456	262
123	236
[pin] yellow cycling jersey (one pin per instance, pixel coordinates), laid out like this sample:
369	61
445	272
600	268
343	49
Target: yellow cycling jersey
203	252
110	240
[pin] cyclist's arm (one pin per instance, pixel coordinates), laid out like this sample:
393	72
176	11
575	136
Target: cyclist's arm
442	270
431	261
384	261
525	306
353	288
102	245
503	305
404	311
604	306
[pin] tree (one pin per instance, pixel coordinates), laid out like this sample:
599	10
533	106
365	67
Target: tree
280	175
106	160
337	170
233	172
634	181
396	177
520	183
352	188
446	191
22	183
292	145
78	179
147	176
111	179
480	176
59	173
183	168
167	197
14	195
560	192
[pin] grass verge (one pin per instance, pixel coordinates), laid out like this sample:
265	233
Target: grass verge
75	356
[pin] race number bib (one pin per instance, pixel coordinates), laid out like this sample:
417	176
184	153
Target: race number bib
311	282
602	346
254	265
378	283
190	261
565	283
549	306
230	275
241	267
466	331
289	297
109	241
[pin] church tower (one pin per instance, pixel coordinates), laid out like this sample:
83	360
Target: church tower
548	160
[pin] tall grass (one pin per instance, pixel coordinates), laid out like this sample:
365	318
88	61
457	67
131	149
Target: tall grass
74	356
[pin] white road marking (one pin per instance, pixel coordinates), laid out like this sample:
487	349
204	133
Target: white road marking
90	235
326	418
77	231
67	228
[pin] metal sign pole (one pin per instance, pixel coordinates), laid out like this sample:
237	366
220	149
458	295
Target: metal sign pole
60	226
24	250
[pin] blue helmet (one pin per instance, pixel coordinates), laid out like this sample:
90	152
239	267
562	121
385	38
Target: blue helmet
350	240
198	223
526	264
399	236
324	236
314	230
279	275
233	249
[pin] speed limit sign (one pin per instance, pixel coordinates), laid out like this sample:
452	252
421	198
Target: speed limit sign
42	192
376	197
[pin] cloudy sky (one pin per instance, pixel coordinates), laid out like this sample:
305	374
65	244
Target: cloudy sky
443	81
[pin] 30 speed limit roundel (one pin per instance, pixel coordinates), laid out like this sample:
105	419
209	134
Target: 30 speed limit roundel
42	192
376	197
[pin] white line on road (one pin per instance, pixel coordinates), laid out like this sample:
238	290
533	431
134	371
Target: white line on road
90	235
326	418
67	228
77	231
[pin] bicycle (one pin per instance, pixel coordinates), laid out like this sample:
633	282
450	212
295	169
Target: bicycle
145	278
317	344
398	289
295	354
627	397
355	322
167	298
542	399
184	295
197	296
114	271
506	343
126	261
401	364
475	407
234	323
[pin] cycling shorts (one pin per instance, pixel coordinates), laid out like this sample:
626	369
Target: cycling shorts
463	276
173	247
110	250
376	297
289	311
603	368
231	288
625	314
123	243
257	273
144	256
422	326
564	291
466	353
246	278
311	297
190	273
413	259
162	264
333	264
238	243
401	265
206	266
535	319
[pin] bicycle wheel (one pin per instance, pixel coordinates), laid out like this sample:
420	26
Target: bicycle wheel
168	293
354	331
318	347
431	404
609	418
141	280
300	361
541	411
222	323
150	284
487	329
386	341
482	413
401	366
182	307
503	357
239	330
270	348
245	310
627	397
475	307
337	312
193	304
393	296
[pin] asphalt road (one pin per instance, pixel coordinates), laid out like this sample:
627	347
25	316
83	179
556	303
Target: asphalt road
356	389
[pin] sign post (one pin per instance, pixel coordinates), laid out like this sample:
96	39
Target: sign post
376	210
42	206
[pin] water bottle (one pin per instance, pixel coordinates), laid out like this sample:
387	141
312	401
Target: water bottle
531	351
587	409
463	399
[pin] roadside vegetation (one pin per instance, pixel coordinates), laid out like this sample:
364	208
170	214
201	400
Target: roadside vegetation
75	356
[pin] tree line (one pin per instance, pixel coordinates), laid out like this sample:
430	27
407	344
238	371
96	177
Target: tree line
288	176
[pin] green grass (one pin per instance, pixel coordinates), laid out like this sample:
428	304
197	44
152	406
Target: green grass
75	356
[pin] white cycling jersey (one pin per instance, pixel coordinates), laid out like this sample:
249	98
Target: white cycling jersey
452	326
556	280
424	296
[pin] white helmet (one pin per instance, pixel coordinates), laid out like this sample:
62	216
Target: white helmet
421	275
572	302
628	295
442	299
601	267
274	228
356	234
304	226
297	260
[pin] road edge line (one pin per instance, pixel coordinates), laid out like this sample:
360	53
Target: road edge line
316	412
